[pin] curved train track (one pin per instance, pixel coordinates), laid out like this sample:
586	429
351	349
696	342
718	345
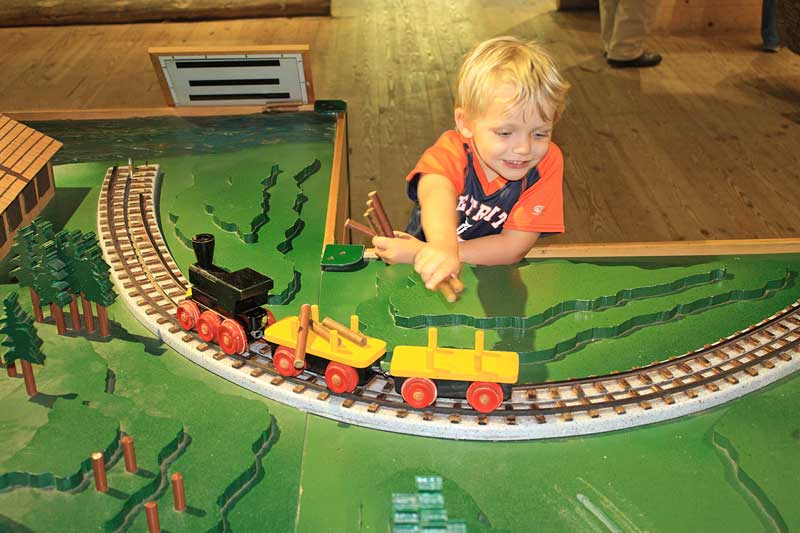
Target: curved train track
152	286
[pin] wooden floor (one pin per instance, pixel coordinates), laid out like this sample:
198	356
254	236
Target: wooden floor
706	146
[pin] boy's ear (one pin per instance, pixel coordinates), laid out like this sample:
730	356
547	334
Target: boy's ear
461	123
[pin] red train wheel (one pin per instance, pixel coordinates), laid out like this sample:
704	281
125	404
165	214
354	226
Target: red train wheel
484	397
341	378
208	325
283	361
419	392
188	314
270	318
232	338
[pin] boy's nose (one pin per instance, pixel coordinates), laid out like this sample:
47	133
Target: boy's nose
523	147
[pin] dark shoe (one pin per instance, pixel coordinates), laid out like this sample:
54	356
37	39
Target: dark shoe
771	49
644	60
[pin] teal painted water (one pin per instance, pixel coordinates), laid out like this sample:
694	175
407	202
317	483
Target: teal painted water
154	138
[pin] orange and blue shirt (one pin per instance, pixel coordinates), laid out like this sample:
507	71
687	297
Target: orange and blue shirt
533	204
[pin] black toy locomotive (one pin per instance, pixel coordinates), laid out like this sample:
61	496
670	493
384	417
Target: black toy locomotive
225	307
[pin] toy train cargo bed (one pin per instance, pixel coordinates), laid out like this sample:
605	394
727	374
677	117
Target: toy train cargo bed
455	364
284	333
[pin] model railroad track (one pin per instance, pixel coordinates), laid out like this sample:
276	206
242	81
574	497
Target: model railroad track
138	256
153	286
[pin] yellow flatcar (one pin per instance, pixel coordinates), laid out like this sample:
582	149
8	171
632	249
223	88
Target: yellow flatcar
342	354
483	377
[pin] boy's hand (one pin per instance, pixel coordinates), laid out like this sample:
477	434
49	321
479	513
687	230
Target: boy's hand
435	264
402	248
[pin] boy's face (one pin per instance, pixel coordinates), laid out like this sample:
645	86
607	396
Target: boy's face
510	141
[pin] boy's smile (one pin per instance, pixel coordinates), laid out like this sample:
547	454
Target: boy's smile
509	140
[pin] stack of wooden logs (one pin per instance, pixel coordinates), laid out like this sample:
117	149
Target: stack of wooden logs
380	227
326	329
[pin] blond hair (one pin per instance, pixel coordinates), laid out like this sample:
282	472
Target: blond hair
524	65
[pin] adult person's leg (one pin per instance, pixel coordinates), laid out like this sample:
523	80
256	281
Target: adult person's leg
608	10
769	25
632	20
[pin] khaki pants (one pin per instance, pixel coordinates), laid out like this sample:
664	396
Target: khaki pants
624	25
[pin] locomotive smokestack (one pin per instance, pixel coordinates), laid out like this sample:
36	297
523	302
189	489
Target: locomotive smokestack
203	244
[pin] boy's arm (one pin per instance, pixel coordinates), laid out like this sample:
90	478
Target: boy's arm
504	248
438	258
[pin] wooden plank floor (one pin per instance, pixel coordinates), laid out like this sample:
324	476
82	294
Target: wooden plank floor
706	146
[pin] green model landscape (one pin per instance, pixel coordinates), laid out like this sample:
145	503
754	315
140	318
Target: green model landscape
251	464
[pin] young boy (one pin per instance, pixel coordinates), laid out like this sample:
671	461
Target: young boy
486	191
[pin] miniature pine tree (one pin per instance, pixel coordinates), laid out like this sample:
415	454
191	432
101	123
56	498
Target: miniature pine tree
95	283
22	342
69	245
51	276
24	254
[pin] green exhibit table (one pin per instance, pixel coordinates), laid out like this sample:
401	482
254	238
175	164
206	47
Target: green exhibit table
262	184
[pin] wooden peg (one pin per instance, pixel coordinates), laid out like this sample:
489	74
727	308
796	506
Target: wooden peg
303	323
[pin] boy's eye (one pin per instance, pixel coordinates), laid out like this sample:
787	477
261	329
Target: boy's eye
541	134
502	133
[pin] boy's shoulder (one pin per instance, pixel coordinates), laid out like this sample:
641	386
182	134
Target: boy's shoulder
553	160
452	141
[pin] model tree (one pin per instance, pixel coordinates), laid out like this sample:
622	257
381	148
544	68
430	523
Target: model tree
25	254
69	245
94	281
22	342
50	279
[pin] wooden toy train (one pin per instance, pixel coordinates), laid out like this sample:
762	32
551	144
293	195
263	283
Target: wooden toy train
226	307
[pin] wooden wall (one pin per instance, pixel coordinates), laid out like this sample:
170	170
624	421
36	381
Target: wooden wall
37	13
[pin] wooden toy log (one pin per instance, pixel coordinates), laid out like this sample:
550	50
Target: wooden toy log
353	225
383	219
129	454
447	291
99	467
370	215
151	510
302	336
345	332
322	331
178	492
456	285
